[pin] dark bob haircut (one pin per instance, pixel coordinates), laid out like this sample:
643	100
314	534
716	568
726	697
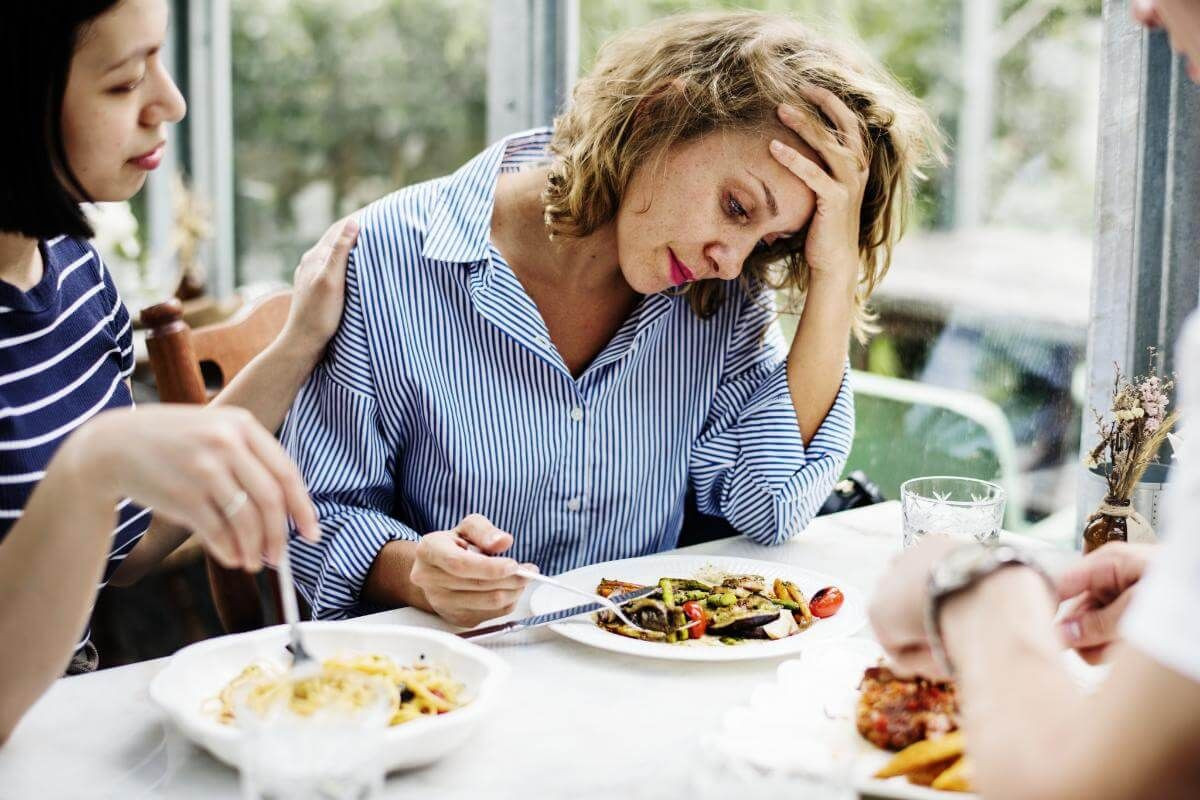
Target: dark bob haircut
39	195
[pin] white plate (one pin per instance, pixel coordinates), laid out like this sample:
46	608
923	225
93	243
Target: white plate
199	672
872	759
816	696
842	669
648	569
821	688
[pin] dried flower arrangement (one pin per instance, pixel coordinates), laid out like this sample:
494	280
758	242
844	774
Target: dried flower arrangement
1130	439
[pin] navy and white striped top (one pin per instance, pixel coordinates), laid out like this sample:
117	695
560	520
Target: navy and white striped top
66	351
442	395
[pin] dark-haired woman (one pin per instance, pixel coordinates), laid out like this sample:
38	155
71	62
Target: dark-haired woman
87	103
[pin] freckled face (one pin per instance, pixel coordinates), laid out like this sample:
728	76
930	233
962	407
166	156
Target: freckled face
702	209
119	100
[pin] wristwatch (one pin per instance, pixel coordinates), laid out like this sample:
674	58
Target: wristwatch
960	569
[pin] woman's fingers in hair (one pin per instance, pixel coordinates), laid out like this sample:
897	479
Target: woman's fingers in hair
845	158
805	169
811	131
841	115
1144	12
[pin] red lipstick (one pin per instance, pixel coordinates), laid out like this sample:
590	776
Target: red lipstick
679	273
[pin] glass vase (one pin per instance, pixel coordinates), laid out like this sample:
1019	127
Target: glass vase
1106	524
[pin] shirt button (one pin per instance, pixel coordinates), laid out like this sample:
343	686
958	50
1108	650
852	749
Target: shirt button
577	415
542	340
574	504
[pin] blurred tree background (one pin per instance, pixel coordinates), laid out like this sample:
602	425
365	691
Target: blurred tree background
1044	136
338	102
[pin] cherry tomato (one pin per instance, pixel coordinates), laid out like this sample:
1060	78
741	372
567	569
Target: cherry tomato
695	612
826	602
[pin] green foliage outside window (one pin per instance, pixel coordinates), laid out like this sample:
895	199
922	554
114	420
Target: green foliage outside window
345	101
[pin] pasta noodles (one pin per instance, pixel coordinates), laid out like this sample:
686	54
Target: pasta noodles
348	683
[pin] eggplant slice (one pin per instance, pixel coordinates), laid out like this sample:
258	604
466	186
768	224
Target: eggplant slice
743	618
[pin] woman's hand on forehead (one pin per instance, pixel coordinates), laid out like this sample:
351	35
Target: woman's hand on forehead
832	246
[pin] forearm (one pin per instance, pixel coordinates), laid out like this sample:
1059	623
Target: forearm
267	386
50	564
816	361
162	539
1019	702
389	582
1033	733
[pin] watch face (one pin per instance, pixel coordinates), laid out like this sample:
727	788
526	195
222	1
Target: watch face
970	562
957	566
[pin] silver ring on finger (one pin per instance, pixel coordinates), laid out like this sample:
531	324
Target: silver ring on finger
235	504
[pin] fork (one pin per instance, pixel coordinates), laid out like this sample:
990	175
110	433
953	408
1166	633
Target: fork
593	596
303	664
540	578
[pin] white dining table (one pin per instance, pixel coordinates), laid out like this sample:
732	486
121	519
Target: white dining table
574	722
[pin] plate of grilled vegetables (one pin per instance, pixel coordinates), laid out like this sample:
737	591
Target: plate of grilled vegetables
707	608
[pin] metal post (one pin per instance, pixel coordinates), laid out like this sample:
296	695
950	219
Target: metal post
211	98
533	56
1149	221
1180	291
977	113
161	266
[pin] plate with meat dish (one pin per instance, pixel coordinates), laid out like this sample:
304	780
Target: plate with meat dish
708	608
888	736
917	748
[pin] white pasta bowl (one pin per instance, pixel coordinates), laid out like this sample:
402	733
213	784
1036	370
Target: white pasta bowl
187	686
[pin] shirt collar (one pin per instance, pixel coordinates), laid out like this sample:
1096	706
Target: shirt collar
461	217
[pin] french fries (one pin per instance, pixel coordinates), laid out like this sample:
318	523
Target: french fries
939	763
957	778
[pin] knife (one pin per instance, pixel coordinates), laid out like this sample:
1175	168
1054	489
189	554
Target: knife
553	616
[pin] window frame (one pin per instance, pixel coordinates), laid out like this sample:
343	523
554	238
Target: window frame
533	57
1146	273
210	150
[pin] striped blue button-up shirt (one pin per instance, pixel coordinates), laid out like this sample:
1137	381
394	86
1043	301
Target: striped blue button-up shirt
442	395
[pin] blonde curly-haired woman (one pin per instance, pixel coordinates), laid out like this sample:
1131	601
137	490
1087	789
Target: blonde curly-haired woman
544	351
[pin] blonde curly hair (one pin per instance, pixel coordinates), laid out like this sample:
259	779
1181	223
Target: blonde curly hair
685	76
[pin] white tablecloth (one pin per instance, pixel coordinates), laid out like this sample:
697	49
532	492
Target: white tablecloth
576	722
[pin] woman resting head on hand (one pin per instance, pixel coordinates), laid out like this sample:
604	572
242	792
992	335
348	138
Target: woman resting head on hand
536	386
670	138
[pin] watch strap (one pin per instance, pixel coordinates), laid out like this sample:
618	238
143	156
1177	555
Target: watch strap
959	570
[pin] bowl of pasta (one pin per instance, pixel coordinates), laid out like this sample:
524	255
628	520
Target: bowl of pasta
431	688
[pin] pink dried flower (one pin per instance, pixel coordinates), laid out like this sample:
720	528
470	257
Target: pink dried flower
1138	423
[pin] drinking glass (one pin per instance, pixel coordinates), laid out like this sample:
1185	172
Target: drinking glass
963	508
330	754
798	766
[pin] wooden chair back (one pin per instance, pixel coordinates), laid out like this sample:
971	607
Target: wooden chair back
176	355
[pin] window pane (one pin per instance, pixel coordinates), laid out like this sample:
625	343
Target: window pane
339	102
